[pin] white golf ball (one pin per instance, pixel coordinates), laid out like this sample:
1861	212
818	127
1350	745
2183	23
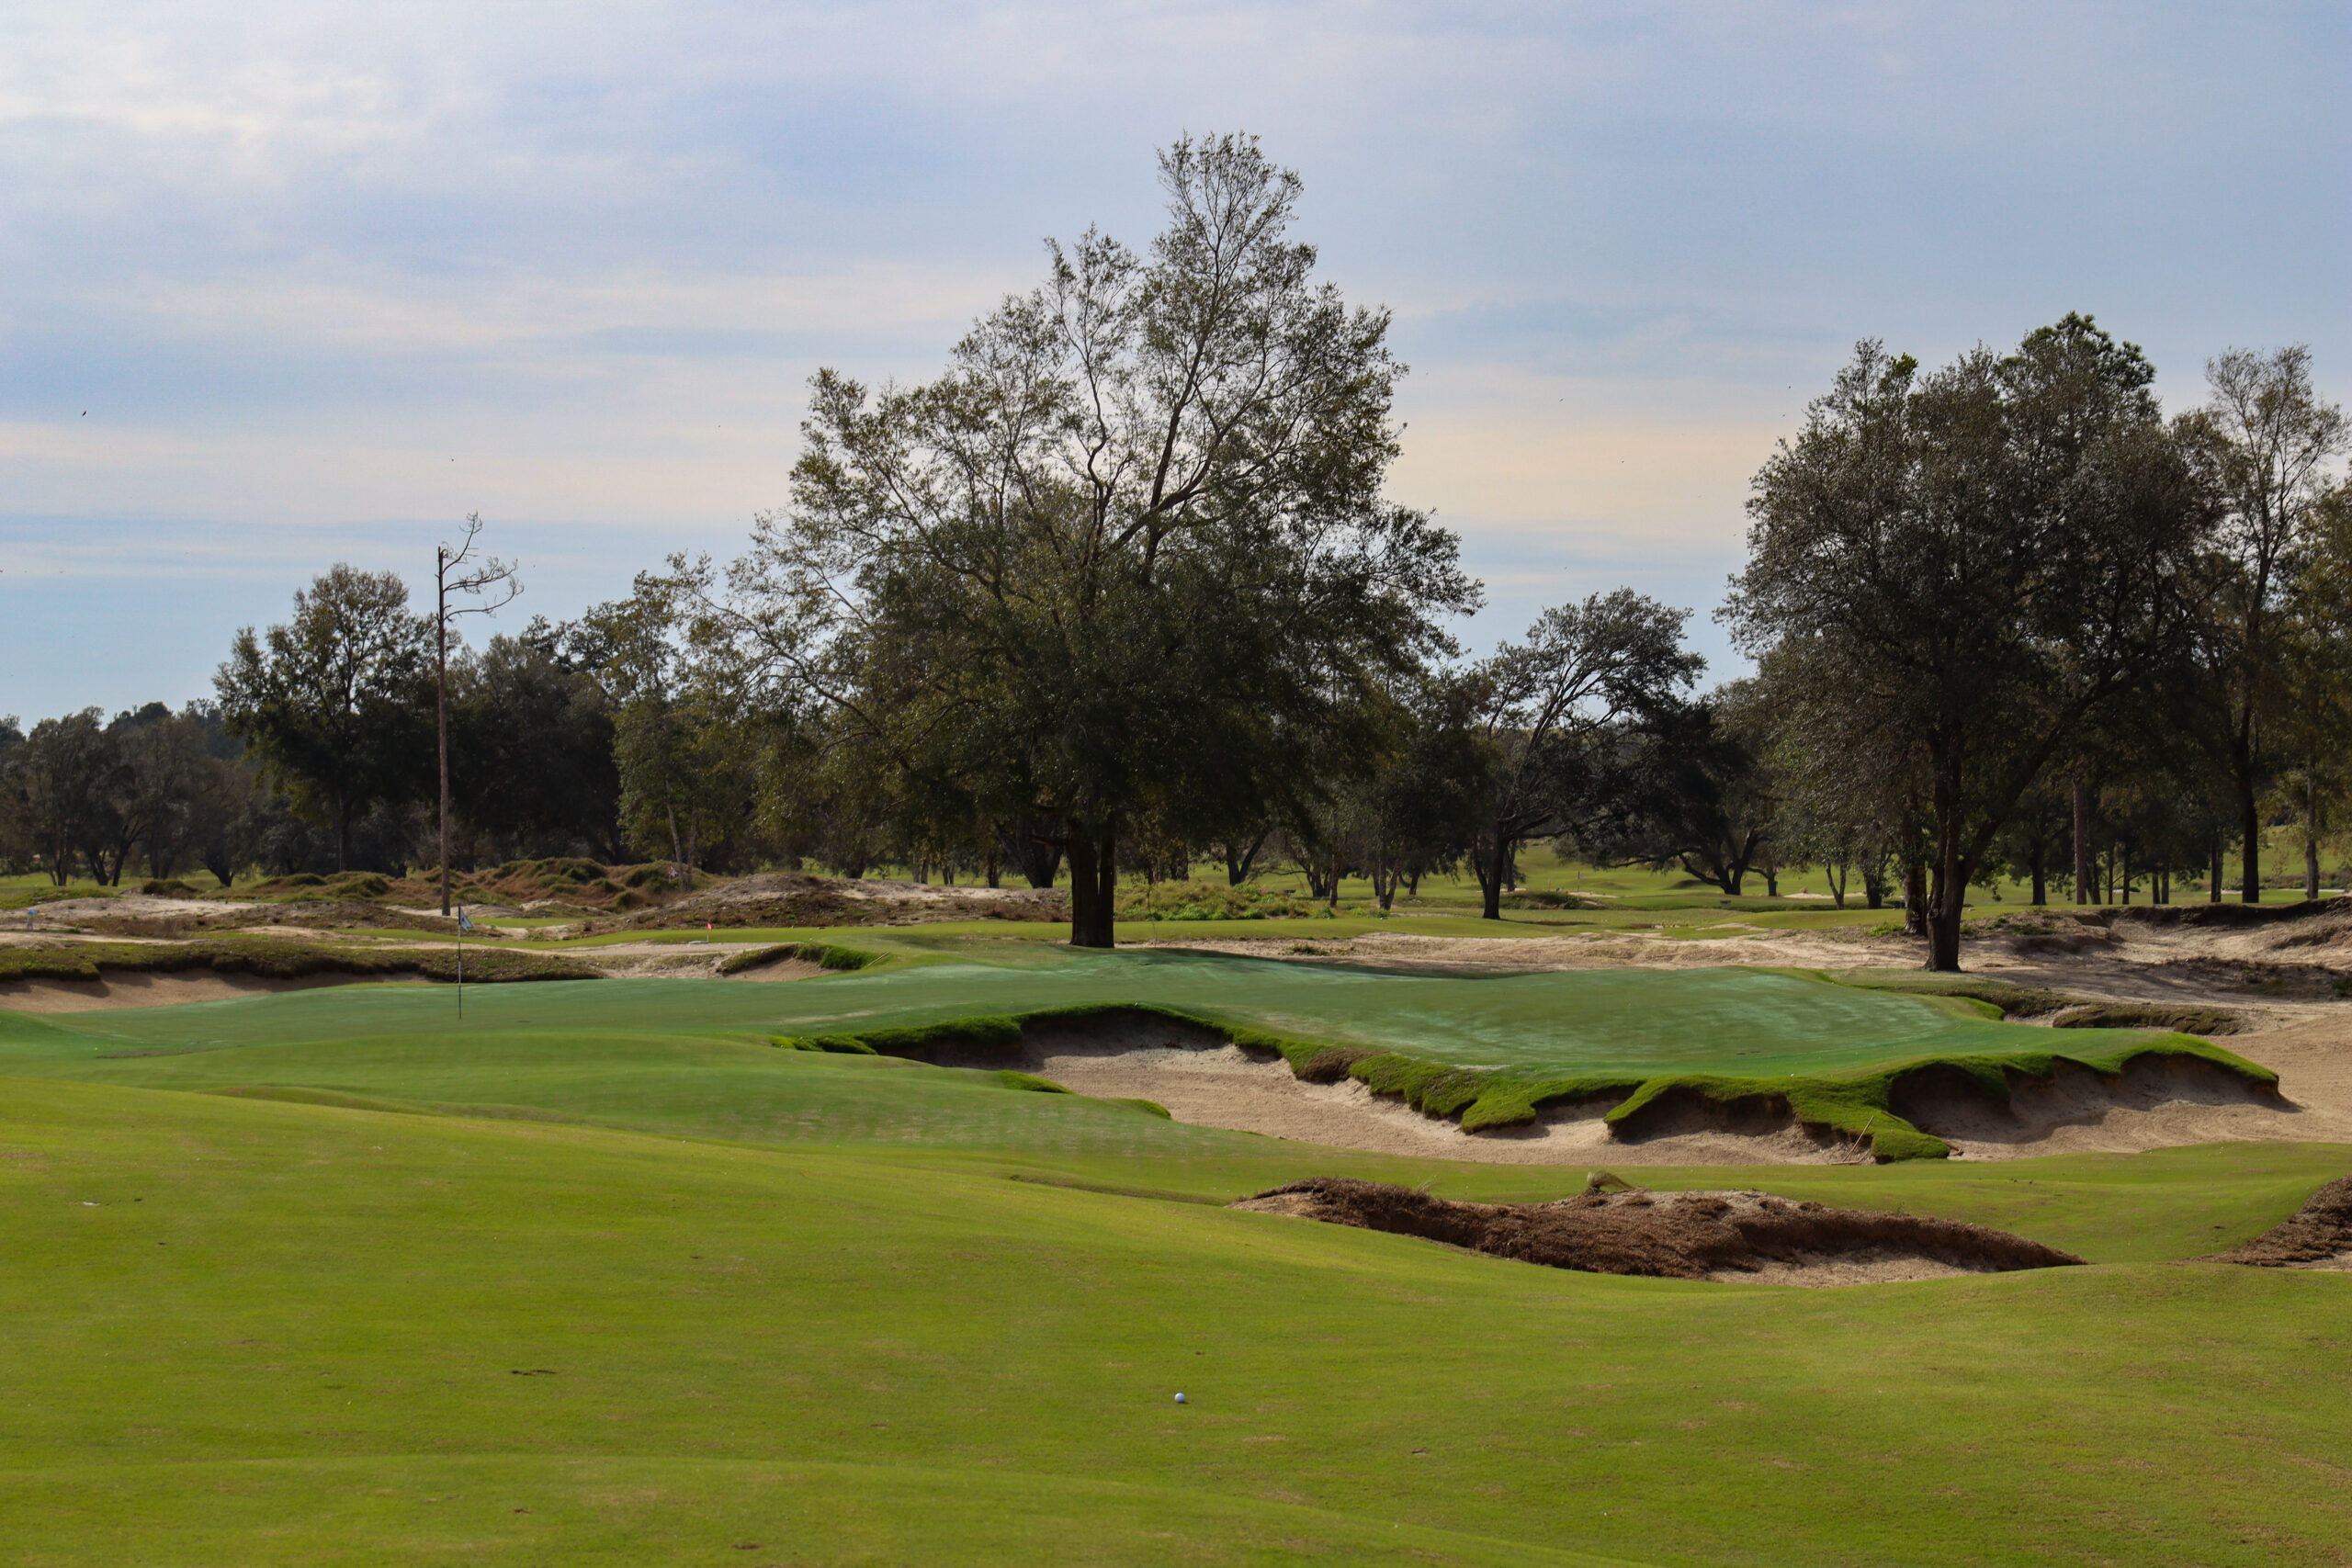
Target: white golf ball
1179	1399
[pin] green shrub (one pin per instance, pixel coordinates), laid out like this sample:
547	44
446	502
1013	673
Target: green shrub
1182	901
1545	898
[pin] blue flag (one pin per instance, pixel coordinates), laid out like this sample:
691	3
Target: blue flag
464	924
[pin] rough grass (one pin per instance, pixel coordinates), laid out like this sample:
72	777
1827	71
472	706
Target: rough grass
1190	901
282	961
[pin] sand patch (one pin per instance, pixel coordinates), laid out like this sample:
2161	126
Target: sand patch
131	988
1724	1236
782	969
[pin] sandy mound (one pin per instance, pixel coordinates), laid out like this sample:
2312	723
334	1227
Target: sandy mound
2318	1237
1677	1235
131	990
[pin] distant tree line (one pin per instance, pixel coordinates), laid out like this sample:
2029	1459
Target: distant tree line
1119	595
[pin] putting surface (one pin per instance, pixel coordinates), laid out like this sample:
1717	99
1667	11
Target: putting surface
1737	1023
235	1331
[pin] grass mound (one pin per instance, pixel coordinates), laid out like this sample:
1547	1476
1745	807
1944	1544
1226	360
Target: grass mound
583	885
1685	1235
282	961
1999	998
2150	1015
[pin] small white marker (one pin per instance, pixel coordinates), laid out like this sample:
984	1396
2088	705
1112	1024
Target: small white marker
1179	1399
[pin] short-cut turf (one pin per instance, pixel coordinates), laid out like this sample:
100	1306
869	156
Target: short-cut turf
1741	1022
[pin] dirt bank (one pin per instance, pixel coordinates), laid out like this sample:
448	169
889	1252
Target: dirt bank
1679	1236
2318	1237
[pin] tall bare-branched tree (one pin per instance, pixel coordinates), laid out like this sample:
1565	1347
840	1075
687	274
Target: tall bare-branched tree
492	583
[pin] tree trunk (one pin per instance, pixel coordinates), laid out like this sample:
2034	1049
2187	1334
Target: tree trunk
1238	861
342	835
2250	863
1947	902
992	868
1488	867
1037	858
1835	876
1093	884
2213	888
2039	863
2311	837
1915	898
2082	842
441	704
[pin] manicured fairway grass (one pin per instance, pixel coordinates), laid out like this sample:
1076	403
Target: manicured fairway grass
244	1332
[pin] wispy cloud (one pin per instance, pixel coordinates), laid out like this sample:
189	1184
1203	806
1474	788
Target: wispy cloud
308	267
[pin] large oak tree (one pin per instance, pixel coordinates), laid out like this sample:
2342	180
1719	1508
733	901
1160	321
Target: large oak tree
1128	557
1959	570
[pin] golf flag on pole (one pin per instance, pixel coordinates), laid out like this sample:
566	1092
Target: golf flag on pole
464	924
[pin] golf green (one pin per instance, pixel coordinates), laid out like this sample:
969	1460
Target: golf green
1734	1022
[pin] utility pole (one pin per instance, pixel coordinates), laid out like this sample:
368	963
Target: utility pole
491	575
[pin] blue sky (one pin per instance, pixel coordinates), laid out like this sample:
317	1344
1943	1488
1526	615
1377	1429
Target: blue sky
286	282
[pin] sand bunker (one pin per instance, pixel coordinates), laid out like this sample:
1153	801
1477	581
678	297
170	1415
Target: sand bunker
131	988
1203	1078
2318	1237
1677	1235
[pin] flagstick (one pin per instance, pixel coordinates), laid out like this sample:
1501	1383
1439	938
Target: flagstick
461	961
